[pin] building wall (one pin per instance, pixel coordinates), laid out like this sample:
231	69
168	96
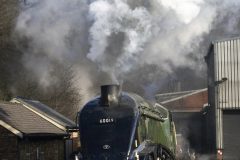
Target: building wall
41	149
8	145
209	130
224	88
210	112
13	148
227	78
231	138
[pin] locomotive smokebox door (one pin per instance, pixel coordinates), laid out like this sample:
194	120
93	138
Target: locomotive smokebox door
109	95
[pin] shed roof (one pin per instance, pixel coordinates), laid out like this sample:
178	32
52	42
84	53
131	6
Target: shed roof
22	121
187	101
168	97
46	112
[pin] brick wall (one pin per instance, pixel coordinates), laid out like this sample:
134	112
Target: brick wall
193	102
13	148
44	149
8	145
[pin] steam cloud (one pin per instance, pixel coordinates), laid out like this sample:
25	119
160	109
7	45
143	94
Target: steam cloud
136	42
116	17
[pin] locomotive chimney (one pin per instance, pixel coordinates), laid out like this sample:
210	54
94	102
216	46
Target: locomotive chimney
109	95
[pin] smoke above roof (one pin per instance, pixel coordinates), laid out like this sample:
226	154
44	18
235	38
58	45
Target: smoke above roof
140	43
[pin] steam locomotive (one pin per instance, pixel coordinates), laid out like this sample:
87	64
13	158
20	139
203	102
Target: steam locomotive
123	126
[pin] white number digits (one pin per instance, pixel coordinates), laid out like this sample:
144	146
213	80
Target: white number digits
106	120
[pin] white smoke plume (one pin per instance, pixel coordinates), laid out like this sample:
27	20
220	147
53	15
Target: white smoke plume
113	17
155	35
108	41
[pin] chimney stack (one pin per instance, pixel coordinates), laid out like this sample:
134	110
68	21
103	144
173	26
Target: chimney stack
109	95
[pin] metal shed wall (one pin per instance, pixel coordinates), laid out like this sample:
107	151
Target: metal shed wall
231	136
223	62
227	73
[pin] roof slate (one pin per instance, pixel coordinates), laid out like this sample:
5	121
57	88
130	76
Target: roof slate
26	121
46	111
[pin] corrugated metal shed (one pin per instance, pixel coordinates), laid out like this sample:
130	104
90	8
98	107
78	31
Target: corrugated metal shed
223	62
227	73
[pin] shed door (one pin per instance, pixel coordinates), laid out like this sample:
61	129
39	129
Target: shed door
231	135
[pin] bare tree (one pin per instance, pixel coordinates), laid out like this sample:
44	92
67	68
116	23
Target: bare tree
61	95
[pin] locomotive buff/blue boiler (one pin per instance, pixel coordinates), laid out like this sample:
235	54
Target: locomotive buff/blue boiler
120	126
